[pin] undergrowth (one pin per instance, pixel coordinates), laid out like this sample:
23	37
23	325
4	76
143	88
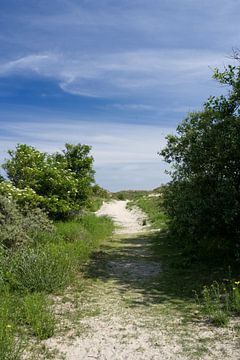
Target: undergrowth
46	265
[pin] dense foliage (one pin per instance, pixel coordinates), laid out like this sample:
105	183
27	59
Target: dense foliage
203	198
20	226
61	183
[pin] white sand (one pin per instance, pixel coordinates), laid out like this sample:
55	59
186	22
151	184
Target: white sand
128	221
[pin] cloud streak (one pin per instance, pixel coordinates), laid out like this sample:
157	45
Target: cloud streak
120	74
123	149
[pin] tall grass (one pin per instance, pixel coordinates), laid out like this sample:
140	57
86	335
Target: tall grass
10	346
47	265
38	315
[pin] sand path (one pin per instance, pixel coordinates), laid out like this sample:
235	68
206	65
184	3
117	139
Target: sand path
128	222
125	315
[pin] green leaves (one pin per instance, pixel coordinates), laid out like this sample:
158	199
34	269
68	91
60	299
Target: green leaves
203	199
60	183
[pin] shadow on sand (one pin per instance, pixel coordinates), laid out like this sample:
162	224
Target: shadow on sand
151	267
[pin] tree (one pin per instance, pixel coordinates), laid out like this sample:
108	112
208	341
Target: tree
62	180
76	158
203	198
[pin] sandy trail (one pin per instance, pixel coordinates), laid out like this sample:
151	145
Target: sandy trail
128	221
127	316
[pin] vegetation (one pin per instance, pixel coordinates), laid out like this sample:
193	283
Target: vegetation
44	266
20	226
61	183
129	194
39	257
99	195
203	199
219	301
151	205
184	278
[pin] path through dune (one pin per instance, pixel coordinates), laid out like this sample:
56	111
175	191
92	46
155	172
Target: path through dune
125	314
128	221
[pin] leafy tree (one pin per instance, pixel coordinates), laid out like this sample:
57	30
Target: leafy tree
203	198
62	180
24	166
76	159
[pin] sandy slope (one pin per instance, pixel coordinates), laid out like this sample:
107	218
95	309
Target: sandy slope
131	319
129	222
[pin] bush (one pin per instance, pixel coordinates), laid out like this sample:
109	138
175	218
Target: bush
203	198
61	183
20	227
21	196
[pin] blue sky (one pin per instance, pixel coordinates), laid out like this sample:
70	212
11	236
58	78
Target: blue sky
116	74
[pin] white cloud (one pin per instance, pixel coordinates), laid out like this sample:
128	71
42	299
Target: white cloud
125	73
132	107
121	151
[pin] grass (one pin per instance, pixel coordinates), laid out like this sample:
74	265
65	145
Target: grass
10	347
220	301
196	282
183	277
153	208
47	266
38	315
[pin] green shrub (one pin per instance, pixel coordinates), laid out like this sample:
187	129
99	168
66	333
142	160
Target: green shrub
38	315
61	183
203	198
19	227
11	229
21	196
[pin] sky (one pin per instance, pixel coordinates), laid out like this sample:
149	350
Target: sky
118	75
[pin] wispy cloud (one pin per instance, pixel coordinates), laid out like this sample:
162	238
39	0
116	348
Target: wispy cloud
123	147
124	73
